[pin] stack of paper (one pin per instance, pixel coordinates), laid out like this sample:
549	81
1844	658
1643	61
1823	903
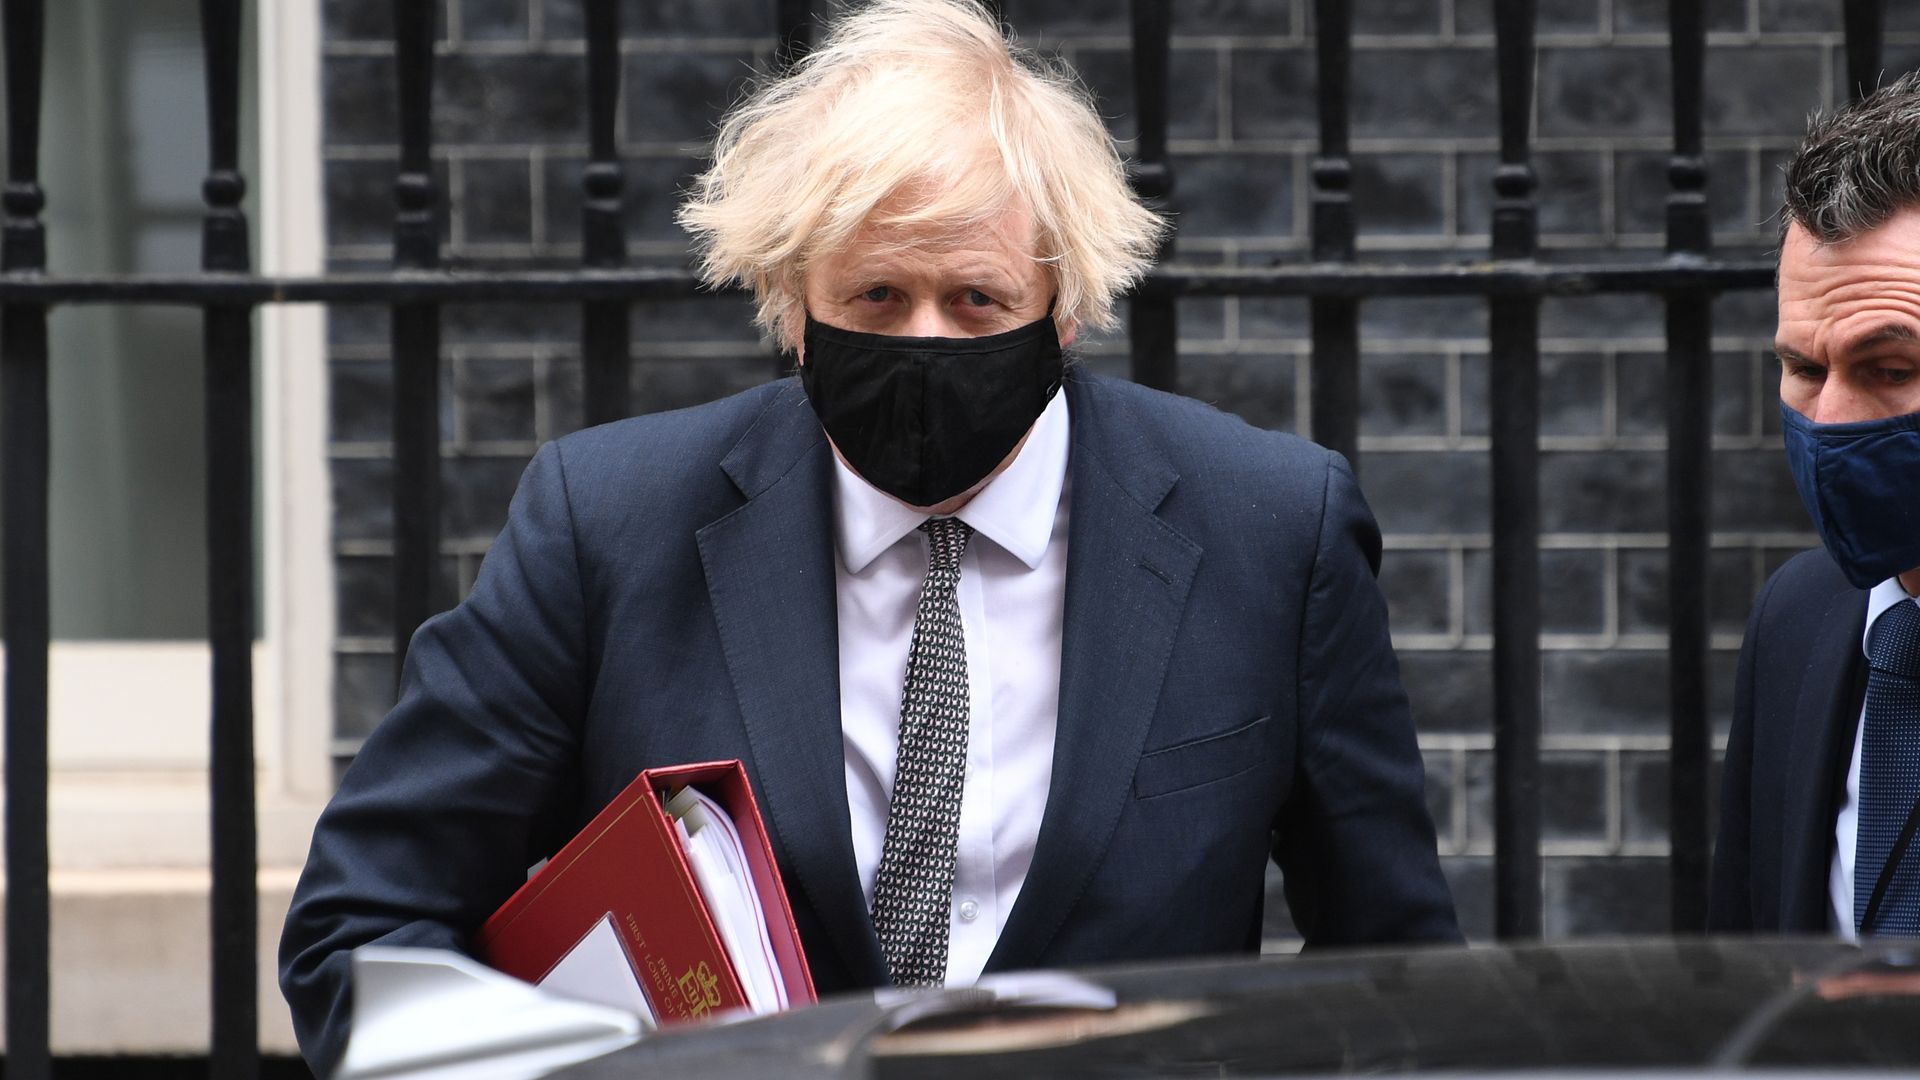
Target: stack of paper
719	862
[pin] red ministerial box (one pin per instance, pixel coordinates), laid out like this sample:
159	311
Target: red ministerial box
629	862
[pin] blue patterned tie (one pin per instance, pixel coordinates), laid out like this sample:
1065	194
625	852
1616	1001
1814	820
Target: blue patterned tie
1890	771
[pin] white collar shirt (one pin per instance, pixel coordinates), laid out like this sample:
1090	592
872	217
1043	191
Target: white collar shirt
1012	599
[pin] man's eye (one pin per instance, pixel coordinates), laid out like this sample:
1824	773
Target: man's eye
1897	376
877	294
976	298
1800	369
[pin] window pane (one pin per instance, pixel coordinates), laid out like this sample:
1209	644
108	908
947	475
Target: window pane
123	154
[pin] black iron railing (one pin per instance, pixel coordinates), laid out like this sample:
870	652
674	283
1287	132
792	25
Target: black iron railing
1337	286
1689	461
25	624
416	335
234	901
1513	351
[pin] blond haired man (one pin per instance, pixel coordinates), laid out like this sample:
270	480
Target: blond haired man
1028	667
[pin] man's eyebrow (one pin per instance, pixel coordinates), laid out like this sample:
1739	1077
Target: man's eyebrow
1893	332
984	273
1886	333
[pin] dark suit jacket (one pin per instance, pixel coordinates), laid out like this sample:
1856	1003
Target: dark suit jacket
1797	703
664	592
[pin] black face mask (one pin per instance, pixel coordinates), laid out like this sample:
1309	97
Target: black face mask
925	418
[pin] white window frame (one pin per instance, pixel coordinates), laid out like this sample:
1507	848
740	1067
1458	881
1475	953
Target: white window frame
129	721
129	819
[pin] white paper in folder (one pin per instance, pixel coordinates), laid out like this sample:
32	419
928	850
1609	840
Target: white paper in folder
719	862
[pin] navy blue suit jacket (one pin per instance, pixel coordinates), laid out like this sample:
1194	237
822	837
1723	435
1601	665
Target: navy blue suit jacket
1797	702
664	592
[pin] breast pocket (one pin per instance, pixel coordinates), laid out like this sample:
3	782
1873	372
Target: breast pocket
1202	761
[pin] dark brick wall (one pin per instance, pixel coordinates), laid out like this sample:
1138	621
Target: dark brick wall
510	114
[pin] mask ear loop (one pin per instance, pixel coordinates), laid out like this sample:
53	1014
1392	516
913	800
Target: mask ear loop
1053	301
800	347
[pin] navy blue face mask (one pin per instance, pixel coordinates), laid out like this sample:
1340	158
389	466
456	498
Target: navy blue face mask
1861	485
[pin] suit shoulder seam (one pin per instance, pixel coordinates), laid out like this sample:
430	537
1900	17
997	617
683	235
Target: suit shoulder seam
1300	673
573	533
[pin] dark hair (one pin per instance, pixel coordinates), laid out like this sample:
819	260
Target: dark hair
1859	165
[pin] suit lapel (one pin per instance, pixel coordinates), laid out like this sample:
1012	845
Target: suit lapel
1824	722
769	571
1128	574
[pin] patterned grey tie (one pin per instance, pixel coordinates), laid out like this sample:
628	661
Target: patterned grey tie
913	890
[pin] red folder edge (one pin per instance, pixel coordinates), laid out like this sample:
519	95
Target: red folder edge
647	883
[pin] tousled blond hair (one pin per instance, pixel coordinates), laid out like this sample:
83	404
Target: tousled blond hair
916	115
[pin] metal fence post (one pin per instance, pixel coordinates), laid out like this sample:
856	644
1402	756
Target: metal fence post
1153	328
234	903
1335	406
24	551
416	338
604	352
1864	23
1689	490
1513	376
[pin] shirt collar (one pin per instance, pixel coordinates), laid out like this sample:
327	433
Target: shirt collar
1884	596
1015	510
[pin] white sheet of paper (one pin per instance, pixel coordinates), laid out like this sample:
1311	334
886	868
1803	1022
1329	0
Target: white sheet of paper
431	1014
719	860
597	970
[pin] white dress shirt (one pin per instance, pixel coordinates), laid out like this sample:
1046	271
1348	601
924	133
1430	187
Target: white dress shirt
1846	826
1012	597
